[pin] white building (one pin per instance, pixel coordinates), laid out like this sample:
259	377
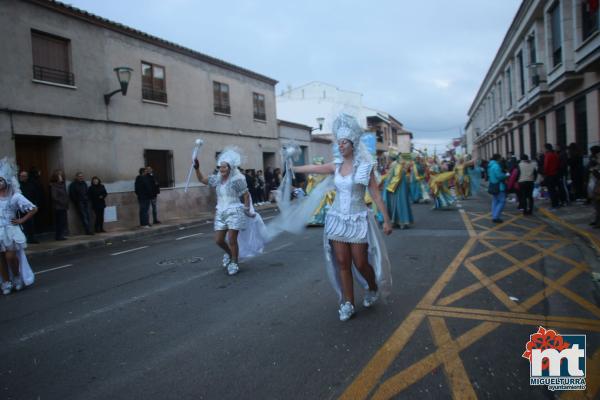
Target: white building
313	100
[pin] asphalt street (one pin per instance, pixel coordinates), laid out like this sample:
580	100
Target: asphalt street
158	318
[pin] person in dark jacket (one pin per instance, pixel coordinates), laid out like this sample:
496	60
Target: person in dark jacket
563	172
577	172
144	192
78	193
97	195
60	203
155	192
29	190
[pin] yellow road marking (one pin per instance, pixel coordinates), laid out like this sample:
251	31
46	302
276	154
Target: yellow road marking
595	242
492	287
447	353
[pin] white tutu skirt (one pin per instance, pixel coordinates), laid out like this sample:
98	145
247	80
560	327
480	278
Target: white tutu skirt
378	258
12	238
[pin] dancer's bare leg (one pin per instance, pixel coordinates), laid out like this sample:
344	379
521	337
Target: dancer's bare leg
343	257
360	256
220	241
233	245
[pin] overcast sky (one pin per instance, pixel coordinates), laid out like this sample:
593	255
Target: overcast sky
421	61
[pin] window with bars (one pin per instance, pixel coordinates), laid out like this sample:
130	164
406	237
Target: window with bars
590	12
258	101
154	85
556	33
51	58
521	73
221	97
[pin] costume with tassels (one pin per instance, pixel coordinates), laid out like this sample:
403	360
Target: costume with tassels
12	238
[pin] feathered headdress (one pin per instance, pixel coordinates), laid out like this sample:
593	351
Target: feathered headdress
8	171
231	155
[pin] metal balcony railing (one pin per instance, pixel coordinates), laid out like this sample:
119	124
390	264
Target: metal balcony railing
149	93
53	75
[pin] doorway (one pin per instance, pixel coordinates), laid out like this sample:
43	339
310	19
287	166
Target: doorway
39	155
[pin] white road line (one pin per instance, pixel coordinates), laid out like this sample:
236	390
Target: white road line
278	248
128	251
189	236
53	269
114	306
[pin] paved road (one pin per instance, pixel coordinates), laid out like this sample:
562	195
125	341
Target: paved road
158	317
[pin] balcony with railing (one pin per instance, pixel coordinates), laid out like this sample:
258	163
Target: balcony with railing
47	74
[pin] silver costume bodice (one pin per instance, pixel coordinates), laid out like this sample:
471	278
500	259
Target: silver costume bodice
350	196
228	192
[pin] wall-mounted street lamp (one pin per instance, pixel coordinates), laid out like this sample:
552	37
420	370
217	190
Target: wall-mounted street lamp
320	121
123	75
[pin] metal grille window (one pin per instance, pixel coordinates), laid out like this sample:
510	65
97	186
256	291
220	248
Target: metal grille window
509	88
161	162
154	85
581	131
221	97
589	18
532	140
556	35
521	73
51	58
259	106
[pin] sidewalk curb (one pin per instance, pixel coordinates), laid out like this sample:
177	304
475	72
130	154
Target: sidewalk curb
122	237
206	217
593	241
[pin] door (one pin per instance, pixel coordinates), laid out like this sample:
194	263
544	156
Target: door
32	156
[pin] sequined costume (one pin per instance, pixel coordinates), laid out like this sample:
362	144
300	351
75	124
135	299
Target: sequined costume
12	237
396	195
230	211
318	218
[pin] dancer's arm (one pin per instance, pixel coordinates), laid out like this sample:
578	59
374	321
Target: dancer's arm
24	218
376	196
316	169
201	178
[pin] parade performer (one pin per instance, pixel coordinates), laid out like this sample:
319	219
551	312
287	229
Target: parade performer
231	215
352	240
14	267
462	180
439	186
396	194
318	218
419	191
475	177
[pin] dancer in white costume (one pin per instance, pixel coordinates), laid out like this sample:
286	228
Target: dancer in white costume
230	215
351	234
14	268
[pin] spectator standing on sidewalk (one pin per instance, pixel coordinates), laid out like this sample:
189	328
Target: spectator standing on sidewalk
60	203
260	187
155	192
497	188
29	190
527	177
551	175
594	184
78	192
143	191
563	174
97	195
577	171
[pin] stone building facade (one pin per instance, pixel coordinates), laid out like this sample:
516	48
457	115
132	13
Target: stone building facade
544	83
58	65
